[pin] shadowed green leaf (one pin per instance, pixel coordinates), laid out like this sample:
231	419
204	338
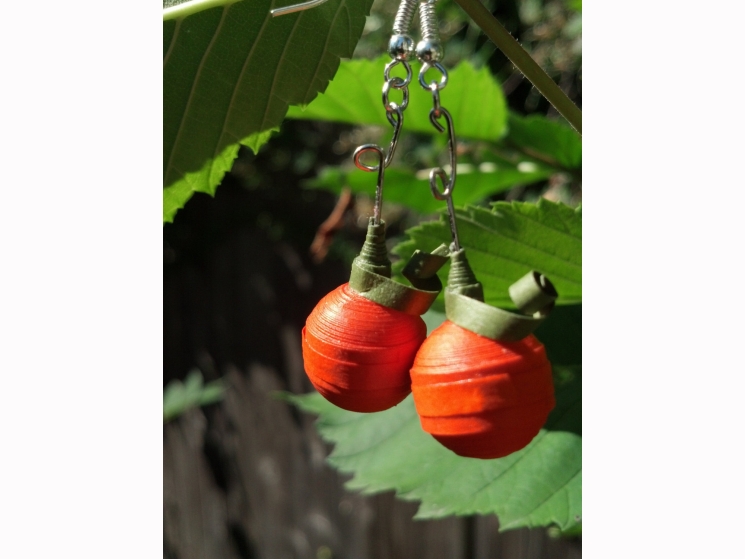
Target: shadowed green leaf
506	242
473	97
229	74
179	397
540	485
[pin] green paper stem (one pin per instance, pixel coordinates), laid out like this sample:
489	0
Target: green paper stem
421	270
374	255
533	295
461	278
491	322
371	273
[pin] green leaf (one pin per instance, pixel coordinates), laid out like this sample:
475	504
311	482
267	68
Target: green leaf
411	189
433	318
551	141
539	485
473	97
193	388
506	242
174	398
229	74
179	397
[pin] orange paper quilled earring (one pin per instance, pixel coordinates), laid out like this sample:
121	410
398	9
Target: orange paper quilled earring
360	340
481	381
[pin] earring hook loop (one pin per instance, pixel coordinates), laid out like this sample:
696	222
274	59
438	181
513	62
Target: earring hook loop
384	160
380	168
448	184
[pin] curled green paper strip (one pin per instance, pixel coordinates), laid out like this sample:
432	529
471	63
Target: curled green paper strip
533	295
371	272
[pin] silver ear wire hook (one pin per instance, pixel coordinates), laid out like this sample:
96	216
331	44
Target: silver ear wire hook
448	184
383	159
296	8
401	49
429	51
433	116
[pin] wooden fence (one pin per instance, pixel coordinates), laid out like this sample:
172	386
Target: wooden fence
247	478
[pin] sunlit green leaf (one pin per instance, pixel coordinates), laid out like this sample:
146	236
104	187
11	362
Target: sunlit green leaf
473	97
229	74
411	189
505	243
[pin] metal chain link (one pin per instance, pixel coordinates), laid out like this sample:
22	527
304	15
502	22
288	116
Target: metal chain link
401	49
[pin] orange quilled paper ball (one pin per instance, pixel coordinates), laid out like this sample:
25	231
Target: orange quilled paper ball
358	353
479	397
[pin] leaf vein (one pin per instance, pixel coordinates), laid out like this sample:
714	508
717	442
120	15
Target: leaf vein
543	224
538	440
176	31
381	441
560	488
321	59
278	70
197	76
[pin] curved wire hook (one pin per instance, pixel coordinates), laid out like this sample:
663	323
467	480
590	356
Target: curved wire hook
380	168
296	8
396	117
447	195
447	183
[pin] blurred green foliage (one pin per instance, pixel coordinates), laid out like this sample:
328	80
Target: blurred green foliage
179	397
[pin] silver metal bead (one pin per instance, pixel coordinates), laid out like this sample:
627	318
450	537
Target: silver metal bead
428	50
401	47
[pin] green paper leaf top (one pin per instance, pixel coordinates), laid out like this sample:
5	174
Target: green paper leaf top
508	241
229	74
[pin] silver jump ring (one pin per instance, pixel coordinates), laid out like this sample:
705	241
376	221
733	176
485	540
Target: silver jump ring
447	195
427	66
400	82
391	106
447	191
396	83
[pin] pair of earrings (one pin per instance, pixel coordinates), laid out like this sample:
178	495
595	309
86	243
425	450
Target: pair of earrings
481	382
